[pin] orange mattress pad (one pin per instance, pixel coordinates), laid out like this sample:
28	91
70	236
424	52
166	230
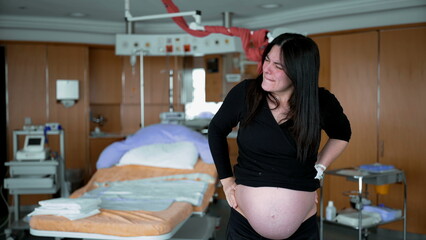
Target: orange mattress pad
129	223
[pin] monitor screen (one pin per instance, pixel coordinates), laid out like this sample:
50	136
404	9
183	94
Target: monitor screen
34	141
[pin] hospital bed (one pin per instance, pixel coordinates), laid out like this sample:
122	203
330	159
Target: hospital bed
134	224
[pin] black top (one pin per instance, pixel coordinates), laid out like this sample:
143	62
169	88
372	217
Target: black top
267	153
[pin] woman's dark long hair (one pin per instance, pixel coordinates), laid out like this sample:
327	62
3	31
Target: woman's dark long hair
300	57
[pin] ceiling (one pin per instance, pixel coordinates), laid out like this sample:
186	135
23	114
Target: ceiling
113	10
107	17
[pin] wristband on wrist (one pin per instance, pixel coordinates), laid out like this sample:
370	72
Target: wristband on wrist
319	165
320	170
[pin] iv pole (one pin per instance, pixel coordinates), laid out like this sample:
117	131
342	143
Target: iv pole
142	83
130	19
133	59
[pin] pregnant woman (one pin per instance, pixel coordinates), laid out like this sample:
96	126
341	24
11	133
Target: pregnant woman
280	114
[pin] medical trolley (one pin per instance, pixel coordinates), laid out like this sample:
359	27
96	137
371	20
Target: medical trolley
364	178
34	176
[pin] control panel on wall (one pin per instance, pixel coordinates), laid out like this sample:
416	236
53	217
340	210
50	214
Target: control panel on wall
176	44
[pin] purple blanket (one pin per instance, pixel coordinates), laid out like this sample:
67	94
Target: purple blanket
154	134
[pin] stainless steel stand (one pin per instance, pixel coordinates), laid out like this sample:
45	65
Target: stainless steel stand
21	178
364	177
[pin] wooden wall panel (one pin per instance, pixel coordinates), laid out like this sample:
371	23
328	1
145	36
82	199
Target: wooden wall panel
152	113
214	78
105	76
403	117
97	145
156	78
324	48
26	87
354	73
230	63
131	82
26	93
251	71
112	114
178	67
156	90
70	62
131	118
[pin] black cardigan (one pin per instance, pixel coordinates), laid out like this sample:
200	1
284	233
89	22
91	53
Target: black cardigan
266	150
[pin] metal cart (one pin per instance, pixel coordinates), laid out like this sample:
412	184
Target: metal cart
23	180
365	178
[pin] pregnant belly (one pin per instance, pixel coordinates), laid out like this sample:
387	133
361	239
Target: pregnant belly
275	213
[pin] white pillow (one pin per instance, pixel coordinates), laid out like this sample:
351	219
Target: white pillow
181	155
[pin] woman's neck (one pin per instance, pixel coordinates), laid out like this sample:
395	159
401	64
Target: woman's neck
283	97
279	105
280	110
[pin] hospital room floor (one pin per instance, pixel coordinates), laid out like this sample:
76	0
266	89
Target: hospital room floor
331	232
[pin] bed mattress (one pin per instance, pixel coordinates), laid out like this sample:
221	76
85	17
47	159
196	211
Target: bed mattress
129	223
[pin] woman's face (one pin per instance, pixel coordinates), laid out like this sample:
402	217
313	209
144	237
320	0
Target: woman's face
275	80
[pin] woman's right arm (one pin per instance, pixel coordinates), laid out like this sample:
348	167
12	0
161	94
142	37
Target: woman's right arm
227	117
229	186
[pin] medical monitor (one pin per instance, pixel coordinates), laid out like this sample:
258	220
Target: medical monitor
34	143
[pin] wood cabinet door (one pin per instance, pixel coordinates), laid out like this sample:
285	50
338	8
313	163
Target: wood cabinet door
26	95
131	107
26	87
402	119
353	80
105	76
70	62
96	146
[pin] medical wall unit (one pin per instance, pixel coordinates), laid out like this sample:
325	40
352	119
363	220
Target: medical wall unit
359	219
34	169
175	44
